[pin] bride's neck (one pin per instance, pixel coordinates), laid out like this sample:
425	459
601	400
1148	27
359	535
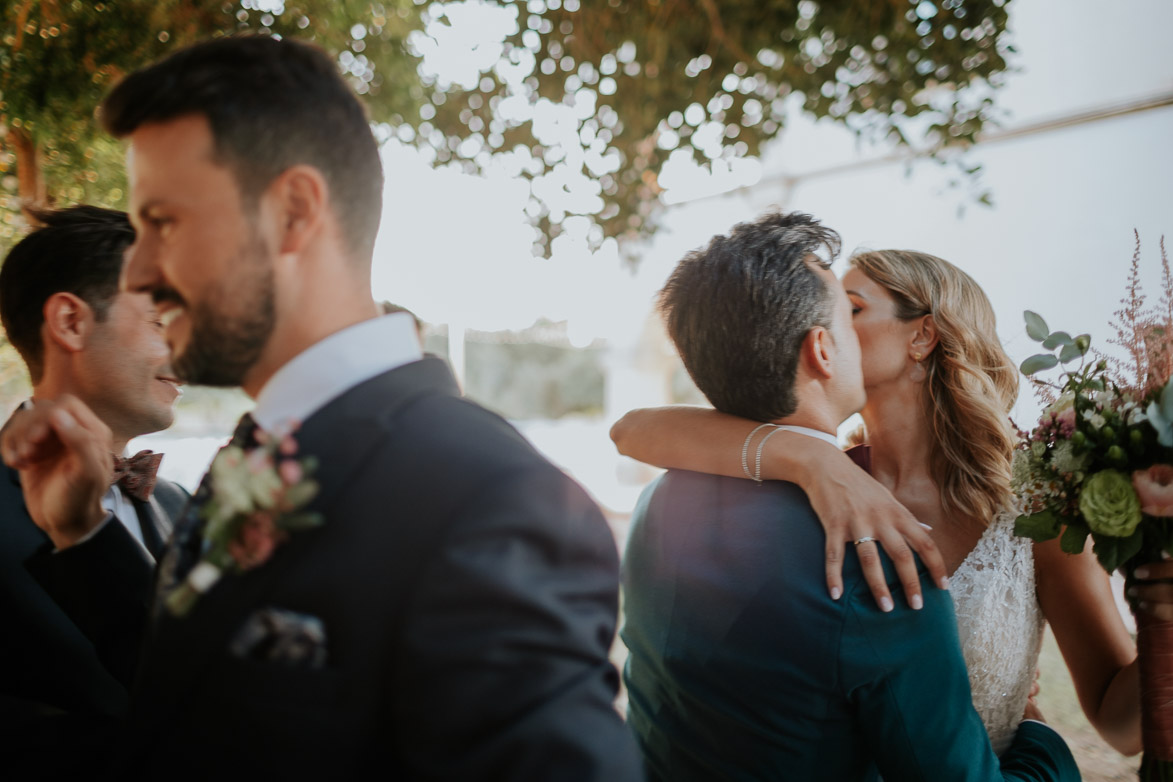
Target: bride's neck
899	436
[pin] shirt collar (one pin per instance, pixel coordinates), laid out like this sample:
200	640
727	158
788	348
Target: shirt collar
329	368
824	436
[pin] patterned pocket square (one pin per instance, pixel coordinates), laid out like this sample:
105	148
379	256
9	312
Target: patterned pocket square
275	635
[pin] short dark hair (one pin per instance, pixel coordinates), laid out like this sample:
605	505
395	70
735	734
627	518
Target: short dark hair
271	104
739	310
78	250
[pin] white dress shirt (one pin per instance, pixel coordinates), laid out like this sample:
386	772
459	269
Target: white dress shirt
330	368
116	502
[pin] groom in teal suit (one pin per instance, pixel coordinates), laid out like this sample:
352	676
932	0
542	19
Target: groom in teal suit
740	667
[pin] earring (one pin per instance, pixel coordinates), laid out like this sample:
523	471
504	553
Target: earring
917	374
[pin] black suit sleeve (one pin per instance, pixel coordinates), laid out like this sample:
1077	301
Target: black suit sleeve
104	585
505	673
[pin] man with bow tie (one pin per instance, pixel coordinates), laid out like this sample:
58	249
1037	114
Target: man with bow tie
99	353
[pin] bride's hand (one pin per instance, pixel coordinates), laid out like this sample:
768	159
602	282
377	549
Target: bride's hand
853	506
1154	589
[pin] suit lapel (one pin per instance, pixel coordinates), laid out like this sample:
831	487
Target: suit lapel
150	519
339	436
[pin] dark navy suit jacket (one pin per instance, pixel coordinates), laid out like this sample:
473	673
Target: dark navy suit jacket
741	667
467	591
64	679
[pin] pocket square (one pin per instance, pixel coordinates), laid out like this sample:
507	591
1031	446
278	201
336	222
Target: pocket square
276	635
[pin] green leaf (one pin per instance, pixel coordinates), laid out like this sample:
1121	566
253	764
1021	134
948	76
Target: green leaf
1057	339
1036	327
296	522
1040	526
1038	363
1074	539
1114	553
1070	353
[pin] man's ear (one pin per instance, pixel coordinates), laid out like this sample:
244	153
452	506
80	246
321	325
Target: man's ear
924	338
69	321
301	199
818	352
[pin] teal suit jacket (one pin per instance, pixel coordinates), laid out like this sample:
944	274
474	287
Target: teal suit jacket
741	667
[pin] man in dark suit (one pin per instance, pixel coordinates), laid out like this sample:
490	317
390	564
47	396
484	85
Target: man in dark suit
740	667
80	337
451	615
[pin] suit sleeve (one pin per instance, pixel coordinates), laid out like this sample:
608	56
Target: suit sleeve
104	585
905	673
505	672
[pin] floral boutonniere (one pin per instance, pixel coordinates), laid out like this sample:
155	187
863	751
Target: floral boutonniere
257	499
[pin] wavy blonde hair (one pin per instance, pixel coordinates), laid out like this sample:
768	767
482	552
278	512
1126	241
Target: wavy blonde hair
970	383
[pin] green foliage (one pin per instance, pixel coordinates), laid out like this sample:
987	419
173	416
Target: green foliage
640	81
1041	526
712	81
59	57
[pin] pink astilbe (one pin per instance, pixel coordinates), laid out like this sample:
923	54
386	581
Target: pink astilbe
1145	333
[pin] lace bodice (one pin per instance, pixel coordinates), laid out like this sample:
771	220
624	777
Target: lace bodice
1000	625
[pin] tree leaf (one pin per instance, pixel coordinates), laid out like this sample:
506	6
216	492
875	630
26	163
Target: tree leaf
1038	363
1057	339
1036	327
1040	526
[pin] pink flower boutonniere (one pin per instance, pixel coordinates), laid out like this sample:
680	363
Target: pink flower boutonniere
257	499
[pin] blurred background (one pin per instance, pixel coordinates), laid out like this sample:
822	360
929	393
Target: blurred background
548	163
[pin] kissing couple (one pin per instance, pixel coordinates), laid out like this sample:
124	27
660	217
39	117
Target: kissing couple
740	666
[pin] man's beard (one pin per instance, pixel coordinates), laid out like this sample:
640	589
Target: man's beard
225	344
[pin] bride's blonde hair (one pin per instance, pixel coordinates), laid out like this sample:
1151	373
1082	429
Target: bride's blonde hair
970	382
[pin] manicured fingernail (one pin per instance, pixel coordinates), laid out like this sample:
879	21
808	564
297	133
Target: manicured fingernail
944	583
926	526
1144	607
917	602
1141	572
886	604
1131	591
64	419
836	593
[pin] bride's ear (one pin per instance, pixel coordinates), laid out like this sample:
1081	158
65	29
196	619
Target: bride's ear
924	338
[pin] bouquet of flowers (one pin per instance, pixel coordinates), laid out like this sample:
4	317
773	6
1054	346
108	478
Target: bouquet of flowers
1100	463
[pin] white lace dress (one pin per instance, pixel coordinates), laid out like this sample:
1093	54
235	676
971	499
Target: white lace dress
1000	625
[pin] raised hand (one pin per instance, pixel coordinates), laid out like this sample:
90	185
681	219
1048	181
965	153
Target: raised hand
854	508
63	453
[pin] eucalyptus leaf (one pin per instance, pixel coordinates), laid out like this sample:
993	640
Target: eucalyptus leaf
1038	363
1057	339
1070	353
1036	327
1040	526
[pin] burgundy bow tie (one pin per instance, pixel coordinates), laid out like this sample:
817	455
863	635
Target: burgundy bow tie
136	475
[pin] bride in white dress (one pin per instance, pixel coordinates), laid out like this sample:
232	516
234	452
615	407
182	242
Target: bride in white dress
939	388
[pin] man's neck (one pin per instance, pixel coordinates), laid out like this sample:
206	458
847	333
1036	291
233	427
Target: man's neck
47	389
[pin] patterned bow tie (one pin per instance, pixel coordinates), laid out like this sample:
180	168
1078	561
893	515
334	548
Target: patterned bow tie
136	475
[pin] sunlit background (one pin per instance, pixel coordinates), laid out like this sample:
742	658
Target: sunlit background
564	345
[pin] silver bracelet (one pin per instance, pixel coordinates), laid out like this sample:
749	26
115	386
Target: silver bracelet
745	450
757	468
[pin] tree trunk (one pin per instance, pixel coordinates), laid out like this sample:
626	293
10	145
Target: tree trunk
30	183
